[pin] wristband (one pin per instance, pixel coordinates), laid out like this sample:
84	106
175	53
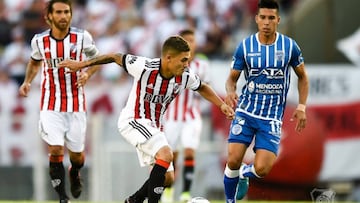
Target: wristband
301	107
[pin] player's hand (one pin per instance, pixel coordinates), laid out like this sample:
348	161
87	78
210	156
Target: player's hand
71	65
82	79
231	99
228	111
300	117
24	89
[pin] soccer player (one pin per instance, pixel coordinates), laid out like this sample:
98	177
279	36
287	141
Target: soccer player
265	58
62	108
156	83
184	115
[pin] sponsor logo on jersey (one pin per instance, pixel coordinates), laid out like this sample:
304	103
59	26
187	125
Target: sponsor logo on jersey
270	73
158	99
279	55
54	62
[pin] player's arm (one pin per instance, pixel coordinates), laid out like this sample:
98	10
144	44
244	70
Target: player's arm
73	65
32	69
303	90
303	83
86	75
209	94
230	86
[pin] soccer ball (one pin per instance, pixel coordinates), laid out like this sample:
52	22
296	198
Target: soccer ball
198	200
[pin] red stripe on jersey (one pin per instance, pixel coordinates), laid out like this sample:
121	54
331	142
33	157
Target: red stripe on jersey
74	89
151	82
51	105
61	75
163	90
137	103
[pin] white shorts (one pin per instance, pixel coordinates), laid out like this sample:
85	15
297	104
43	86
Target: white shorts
59	128
187	132
147	139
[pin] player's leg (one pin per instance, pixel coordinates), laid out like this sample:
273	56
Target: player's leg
266	147
52	129
163	159
190	140
236	152
75	142
153	149
188	173
264	160
140	195
77	160
172	130
240	136
57	170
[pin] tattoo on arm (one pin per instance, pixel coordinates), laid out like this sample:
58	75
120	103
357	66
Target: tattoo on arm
104	59
108	58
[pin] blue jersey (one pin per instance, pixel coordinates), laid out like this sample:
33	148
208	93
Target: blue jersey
267	74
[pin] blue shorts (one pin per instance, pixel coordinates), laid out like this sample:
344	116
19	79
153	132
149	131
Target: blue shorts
244	128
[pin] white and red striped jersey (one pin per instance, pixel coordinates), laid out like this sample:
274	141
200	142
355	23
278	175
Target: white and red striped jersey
186	106
151	93
59	91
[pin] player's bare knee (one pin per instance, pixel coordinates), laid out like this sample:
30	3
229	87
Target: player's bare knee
165	154
262	170
234	163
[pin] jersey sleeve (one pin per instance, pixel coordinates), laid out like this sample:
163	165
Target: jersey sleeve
194	81
296	56
35	51
90	49
238	60
134	65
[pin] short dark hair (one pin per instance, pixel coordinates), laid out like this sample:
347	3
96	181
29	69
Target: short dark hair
176	44
271	4
186	32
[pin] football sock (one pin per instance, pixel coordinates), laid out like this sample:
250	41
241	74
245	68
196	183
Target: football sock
231	179
57	175
248	171
188	173
156	180
75	168
143	191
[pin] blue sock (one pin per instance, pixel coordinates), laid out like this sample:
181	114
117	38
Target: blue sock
230	185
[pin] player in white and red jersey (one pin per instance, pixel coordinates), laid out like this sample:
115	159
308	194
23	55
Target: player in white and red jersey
62	104
184	115
156	83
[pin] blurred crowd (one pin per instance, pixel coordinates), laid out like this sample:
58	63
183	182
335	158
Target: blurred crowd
130	26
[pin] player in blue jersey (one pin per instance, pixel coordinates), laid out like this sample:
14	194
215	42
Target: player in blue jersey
265	59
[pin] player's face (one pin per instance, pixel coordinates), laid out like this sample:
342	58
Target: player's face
179	62
267	21
61	16
190	39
